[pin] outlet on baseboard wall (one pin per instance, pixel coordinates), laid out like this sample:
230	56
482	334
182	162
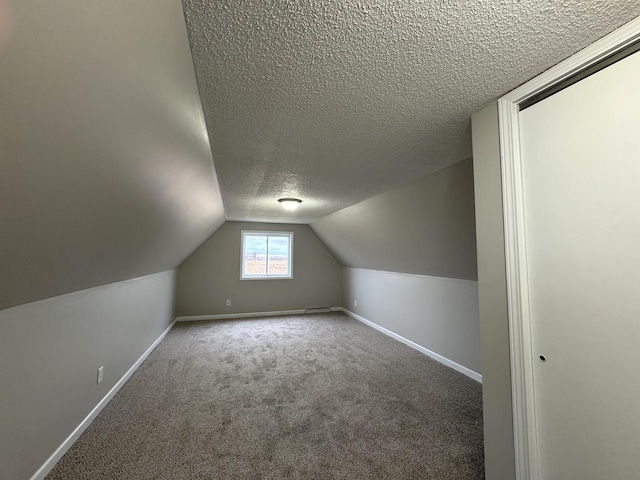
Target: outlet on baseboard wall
355	303
228	302
100	374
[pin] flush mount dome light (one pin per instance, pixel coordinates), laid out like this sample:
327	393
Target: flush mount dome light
290	203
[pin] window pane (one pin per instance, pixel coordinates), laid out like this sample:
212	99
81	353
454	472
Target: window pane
278	255
255	255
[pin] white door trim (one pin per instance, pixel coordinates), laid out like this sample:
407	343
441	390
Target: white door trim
522	381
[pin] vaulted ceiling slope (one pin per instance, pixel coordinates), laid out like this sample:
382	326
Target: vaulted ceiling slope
426	227
335	102
106	169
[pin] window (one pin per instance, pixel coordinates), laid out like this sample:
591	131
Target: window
266	255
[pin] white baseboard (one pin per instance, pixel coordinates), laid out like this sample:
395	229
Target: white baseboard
444	360
228	316
62	449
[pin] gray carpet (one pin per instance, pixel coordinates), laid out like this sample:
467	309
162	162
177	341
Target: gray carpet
305	397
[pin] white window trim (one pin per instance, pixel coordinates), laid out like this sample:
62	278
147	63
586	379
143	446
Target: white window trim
245	233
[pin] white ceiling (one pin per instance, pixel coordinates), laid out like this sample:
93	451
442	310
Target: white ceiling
335	102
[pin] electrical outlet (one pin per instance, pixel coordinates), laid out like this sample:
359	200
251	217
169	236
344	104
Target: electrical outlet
228	302
355	303
100	372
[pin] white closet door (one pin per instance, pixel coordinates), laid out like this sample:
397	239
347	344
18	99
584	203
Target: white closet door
581	168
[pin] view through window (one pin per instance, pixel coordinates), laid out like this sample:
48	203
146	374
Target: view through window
266	255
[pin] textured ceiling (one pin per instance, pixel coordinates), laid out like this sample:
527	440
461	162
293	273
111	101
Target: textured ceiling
334	102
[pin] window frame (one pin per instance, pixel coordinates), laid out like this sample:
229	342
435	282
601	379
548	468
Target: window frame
266	276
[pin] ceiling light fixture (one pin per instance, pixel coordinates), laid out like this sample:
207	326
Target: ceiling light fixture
289	203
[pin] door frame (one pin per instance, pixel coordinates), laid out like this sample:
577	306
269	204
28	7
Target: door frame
520	336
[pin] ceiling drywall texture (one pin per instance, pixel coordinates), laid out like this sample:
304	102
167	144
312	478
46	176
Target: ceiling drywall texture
105	166
338	101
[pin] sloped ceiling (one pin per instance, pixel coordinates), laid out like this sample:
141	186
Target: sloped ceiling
106	169
335	102
426	227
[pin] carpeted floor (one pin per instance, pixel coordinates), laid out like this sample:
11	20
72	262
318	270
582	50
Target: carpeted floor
305	397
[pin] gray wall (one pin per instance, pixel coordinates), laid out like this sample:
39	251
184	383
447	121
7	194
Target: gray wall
212	275
440	314
426	227
426	231
492	291
106	166
49	355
